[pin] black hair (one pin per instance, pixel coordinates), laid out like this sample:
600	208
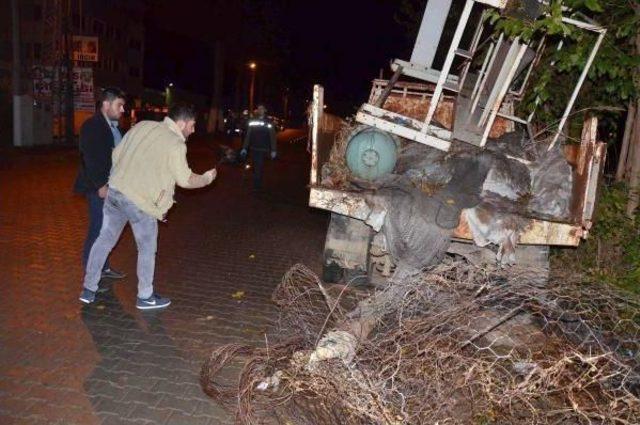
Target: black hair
109	94
182	111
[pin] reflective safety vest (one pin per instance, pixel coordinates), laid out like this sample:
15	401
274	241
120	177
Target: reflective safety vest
260	123
261	135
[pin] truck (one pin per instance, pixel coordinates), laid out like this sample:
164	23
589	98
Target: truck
459	93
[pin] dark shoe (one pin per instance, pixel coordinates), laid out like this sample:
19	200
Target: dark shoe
87	296
153	302
102	288
113	274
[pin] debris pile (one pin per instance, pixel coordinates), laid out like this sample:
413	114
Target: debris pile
525	180
455	344
417	227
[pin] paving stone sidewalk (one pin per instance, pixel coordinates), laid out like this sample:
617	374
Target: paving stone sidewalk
62	363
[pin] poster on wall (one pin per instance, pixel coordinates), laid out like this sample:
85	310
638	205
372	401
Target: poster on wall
46	81
83	99
85	48
42	81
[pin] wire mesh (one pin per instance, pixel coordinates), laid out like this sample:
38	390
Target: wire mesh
460	345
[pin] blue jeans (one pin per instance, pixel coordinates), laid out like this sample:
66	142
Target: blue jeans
95	203
118	211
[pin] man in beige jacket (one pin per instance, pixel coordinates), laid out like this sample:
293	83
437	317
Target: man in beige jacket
147	165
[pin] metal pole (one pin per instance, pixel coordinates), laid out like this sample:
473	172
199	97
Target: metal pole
215	110
472	49
251	88
537	101
503	91
15	75
285	106
431	26
316	114
457	36
583	76
69	124
387	90
583	25
533	64
484	75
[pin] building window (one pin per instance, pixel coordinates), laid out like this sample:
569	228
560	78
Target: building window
134	72
37	12
75	19
109	31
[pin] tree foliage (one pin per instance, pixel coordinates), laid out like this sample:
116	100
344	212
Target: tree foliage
611	254
614	77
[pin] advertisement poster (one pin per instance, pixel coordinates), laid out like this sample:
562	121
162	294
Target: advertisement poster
43	79
85	48
46	81
83	99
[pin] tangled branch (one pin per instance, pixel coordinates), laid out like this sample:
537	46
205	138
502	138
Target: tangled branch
461	345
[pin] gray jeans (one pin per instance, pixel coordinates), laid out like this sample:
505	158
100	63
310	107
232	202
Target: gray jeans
118	210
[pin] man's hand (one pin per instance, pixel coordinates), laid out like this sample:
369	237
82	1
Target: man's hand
102	192
273	154
211	175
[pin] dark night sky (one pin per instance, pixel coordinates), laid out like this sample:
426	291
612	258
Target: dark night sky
340	44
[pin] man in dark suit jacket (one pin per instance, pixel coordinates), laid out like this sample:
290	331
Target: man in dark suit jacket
98	136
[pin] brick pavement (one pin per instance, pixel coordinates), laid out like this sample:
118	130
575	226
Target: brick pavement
61	363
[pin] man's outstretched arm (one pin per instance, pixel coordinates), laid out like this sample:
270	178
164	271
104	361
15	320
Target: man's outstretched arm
200	180
183	175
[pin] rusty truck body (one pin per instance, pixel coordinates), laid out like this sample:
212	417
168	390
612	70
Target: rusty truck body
438	108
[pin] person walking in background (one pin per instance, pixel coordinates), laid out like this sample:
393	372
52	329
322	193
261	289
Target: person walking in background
260	141
98	136
147	165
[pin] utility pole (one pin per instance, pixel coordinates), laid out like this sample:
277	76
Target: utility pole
285	107
16	82
252	66
68	64
215	112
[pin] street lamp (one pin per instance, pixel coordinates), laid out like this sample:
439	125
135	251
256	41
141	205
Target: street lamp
252	67
168	98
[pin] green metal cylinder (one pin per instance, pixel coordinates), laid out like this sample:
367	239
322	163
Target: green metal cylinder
371	153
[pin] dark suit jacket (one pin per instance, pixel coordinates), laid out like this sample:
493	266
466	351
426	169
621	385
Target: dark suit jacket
96	144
